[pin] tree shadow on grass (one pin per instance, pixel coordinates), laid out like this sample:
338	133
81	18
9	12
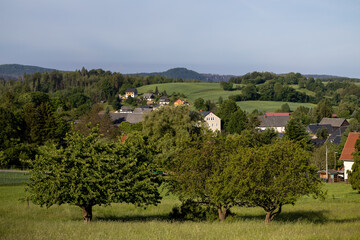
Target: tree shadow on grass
134	218
316	217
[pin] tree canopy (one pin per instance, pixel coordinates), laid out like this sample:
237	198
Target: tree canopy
90	171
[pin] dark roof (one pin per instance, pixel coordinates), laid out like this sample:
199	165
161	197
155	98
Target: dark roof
336	135
318	142
148	95
335	139
349	147
134	90
142	109
164	99
273	121
314	127
118	118
334	122
204	113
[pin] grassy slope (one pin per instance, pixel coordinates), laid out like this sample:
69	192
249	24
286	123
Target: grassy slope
212	91
337	217
270	106
192	91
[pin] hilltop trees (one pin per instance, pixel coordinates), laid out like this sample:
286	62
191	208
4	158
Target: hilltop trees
90	171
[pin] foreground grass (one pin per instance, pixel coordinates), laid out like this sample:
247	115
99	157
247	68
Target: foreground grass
337	217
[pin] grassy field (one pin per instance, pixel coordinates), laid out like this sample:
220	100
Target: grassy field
269	106
336	217
212	91
192	91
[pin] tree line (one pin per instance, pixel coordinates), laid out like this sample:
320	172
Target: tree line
209	171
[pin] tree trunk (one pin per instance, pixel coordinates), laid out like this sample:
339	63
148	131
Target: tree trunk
268	217
222	213
271	214
87	213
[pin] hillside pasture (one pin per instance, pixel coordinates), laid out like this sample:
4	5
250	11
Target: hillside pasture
336	217
192	91
270	106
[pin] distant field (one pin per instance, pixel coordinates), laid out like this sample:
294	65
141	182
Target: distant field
269	106
192	91
336	217
303	90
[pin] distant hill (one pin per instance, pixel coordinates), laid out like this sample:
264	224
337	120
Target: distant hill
321	76
14	71
186	74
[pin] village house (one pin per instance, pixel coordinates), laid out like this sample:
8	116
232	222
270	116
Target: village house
313	128
149	97
126	109
335	123
348	150
132	117
213	121
131	92
178	102
164	100
277	122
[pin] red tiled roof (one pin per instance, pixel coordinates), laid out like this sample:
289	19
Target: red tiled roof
277	114
349	146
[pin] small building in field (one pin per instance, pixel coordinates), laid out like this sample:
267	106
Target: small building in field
213	121
347	152
131	92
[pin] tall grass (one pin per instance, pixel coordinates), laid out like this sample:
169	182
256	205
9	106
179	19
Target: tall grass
336	217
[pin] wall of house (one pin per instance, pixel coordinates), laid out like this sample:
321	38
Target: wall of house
213	122
347	166
277	129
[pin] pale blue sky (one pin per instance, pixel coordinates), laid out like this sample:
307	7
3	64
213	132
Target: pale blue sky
208	36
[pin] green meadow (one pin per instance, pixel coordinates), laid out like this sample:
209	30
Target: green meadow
336	217
212	91
192	91
270	106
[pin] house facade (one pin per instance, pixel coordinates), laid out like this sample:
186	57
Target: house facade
348	150
213	121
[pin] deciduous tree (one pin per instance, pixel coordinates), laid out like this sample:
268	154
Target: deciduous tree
90	171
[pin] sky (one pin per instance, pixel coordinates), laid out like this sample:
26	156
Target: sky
208	36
